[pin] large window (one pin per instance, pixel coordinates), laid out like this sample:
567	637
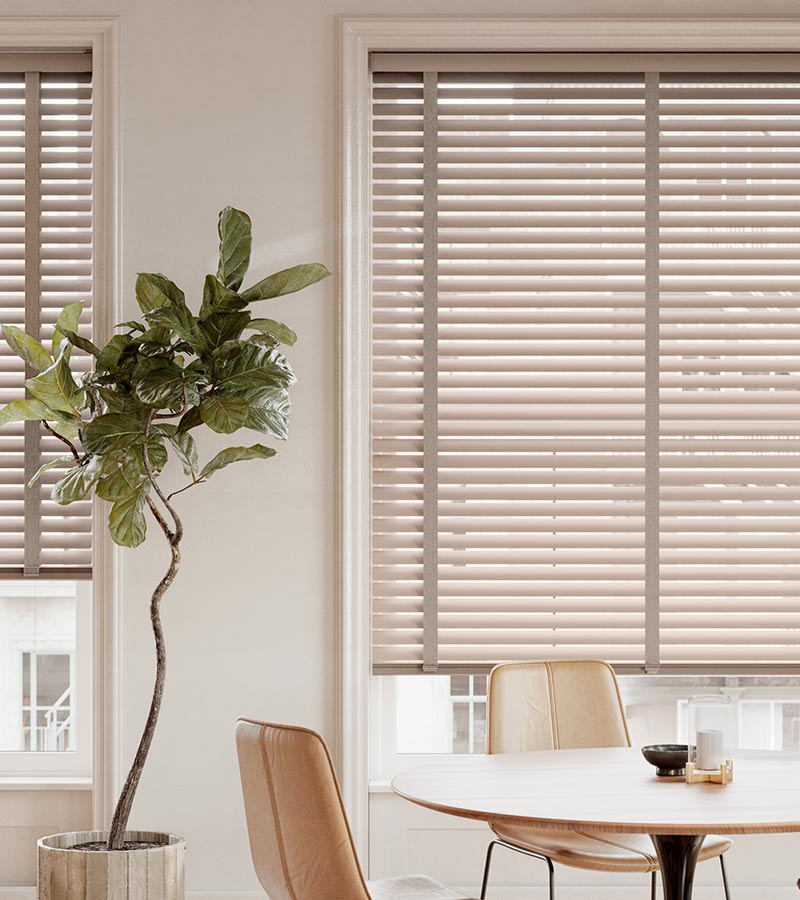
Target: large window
46	262
586	362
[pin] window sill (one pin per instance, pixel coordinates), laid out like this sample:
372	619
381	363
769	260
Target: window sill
380	786
44	783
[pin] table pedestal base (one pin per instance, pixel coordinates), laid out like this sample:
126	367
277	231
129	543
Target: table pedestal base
677	855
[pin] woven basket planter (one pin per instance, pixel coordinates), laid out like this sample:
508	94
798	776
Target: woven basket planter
152	874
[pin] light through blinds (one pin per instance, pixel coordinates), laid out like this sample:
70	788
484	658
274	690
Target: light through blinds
586	365
45	263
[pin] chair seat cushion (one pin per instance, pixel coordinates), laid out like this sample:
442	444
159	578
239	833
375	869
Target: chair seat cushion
606	852
411	887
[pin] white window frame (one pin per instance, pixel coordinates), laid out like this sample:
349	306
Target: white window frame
78	764
100	34
385	761
358	37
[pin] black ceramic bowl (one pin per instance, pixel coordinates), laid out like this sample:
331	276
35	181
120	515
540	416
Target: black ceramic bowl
669	759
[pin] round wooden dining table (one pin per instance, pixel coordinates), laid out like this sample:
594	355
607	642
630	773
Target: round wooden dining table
615	790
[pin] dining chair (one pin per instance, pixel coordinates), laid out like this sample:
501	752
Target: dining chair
300	839
559	705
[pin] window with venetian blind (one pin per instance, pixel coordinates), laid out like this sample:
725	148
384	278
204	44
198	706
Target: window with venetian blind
45	263
586	361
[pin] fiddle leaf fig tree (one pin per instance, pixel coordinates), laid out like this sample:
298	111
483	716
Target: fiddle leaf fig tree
157	382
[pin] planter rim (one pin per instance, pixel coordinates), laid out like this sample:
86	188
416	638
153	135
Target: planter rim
80	837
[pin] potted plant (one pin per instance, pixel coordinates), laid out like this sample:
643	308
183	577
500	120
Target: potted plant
155	381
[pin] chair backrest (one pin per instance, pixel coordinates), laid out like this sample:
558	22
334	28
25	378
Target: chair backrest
554	706
300	840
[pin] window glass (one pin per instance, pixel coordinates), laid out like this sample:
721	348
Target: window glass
38	630
447	714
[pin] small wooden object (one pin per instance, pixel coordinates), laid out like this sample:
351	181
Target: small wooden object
724	776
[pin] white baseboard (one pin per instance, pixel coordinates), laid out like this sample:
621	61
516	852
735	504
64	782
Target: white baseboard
29	893
566	892
573	892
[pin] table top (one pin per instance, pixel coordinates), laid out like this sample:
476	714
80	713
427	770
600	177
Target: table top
609	790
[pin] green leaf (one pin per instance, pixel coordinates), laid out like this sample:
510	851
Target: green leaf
218	298
158	334
118	402
235	239
223	413
111	354
156	341
67	321
27	348
240	366
154	290
113	431
68	428
182	322
269	412
77	483
235	454
156	453
126	521
190	419
132	326
263	340
184	446
24	411
81	342
56	388
161	384
287	281
221	327
121	478
60	461
282	333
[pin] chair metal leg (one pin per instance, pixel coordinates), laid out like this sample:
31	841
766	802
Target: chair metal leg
551	871
724	877
487	866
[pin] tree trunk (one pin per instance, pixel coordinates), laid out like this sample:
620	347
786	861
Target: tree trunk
122	811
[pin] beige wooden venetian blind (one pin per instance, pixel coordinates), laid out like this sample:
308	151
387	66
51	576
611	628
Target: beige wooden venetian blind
45	263
586	361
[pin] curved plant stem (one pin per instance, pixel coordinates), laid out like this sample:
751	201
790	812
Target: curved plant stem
122	812
73	450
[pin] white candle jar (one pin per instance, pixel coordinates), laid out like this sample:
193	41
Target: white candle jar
710	732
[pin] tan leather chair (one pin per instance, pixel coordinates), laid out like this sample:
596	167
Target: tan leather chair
300	840
567	704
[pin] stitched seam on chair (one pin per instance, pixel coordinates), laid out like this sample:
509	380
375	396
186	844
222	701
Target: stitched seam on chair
652	860
276	820
551	693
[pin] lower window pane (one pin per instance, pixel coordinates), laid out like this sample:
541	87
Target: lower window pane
447	714
461	741
38	627
441	713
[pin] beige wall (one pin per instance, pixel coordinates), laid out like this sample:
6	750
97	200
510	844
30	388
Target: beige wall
234	101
